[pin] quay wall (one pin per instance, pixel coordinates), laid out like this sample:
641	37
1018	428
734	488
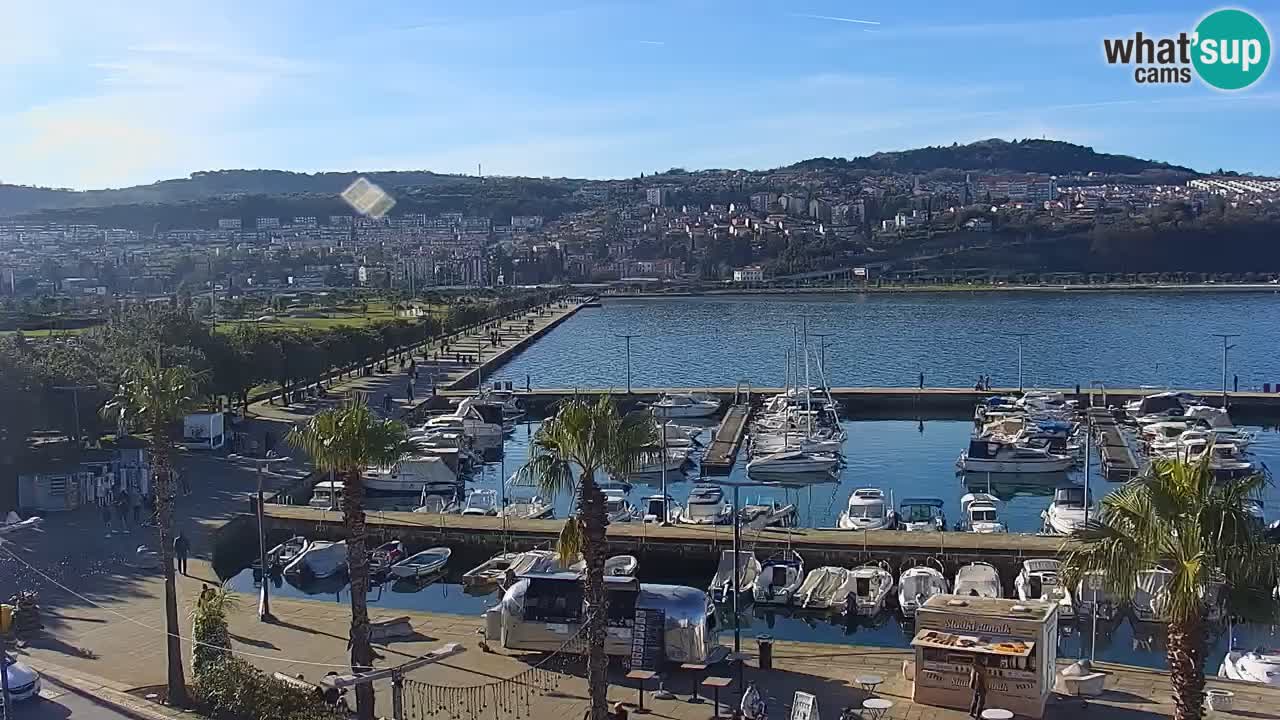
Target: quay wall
471	379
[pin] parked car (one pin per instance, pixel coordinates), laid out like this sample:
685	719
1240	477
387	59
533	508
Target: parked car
24	682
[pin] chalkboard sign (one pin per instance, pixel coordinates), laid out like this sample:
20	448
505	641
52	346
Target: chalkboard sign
648	640
804	706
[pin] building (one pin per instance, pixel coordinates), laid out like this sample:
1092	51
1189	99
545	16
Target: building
526	222
750	273
658	197
267	223
228	223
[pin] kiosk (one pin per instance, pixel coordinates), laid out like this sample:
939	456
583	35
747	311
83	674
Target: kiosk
1016	642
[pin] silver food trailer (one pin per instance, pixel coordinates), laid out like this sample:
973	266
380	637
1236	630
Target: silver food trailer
542	612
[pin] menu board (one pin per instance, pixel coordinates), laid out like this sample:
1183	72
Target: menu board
648	640
804	706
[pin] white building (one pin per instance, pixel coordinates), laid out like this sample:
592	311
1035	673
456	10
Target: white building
750	273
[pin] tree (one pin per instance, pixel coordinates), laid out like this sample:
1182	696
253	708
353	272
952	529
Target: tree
589	437
346	441
154	399
1177	516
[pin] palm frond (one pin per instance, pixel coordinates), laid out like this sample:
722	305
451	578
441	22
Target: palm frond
571	543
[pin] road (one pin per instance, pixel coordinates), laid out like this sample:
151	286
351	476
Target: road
57	702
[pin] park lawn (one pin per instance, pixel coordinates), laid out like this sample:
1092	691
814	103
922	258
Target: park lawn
344	315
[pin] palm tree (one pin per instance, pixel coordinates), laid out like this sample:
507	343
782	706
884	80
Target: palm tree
589	437
154	399
345	441
1177	516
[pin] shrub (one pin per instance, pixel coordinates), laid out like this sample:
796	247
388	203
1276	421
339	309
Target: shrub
232	689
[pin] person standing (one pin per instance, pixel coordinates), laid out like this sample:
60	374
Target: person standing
181	546
978	684
135	501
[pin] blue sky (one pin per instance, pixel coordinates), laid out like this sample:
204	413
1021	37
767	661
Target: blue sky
111	94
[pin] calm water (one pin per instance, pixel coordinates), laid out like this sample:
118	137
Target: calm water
905	457
1122	339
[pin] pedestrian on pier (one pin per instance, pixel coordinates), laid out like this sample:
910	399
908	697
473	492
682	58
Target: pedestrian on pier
978	683
386	402
921	380
181	546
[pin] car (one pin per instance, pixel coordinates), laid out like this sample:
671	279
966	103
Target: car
24	682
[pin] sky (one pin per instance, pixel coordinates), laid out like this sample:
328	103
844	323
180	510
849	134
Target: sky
114	94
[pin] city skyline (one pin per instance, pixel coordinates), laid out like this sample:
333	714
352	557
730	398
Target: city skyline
110	98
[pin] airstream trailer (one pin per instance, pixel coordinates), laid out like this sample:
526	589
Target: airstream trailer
540	612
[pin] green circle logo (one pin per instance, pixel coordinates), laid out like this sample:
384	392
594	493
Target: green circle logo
1232	49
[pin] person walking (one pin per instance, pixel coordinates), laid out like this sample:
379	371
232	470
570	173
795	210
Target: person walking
135	501
181	546
185	481
978	684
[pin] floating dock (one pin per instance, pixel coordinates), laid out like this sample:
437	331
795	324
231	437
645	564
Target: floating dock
1119	462
724	447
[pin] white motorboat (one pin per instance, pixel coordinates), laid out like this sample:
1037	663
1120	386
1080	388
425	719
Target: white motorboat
286	552
763	514
621	566
482	422
692	433
872	585
506	400
321	559
989	455
427	562
868	510
737	572
490	571
1159	406
1226	460
1067	512
1051	401
1040	579
1148	594
327	495
1158	434
481	501
528	508
685	405
1217	421
978	579
656	461
1092	597
616	506
917	584
437	504
825	588
921	515
980	513
793	462
410	476
535	561
660	508
780	577
1257	666
706	506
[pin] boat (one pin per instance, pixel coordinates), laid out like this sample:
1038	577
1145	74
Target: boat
656	461
793	461
411	476
867	510
616	506
1148	594
660	508
480	421
422	564
1160	406
999	456
286	552
706	506
490	571
621	566
1256	666
980	513
481	501
532	507
506	400
736	573
978	579
326	495
384	556
872	585
780	576
321	559
917	584
685	405
763	514
921	515
437	504
825	588
1092	598
1040	579
1067	512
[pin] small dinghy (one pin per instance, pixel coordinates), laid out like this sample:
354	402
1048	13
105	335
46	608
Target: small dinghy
780	577
427	562
384	556
286	552
490	571
321	559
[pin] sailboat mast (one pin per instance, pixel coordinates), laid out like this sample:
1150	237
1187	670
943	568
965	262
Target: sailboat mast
808	396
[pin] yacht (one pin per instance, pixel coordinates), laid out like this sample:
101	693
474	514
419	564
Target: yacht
660	508
1217	421
506	400
327	495
616	506
980	513
482	422
978	579
481	502
685	405
1148	594
1158	434
1067	512
825	588
771	513
1040	579
1226	461
793	462
1092	598
1257	666
872	584
780	577
997	456
1159	406
921	515
736	573
706	506
867	510
917	584
410	476
530	507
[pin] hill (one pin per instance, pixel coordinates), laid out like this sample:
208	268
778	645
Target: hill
1039	156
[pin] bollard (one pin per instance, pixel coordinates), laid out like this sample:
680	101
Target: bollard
765	644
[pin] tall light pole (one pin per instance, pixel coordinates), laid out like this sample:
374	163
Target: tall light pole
264	599
628	337
75	403
1020	337
1225	347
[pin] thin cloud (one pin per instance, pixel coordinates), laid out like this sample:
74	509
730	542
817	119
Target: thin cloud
651	42
835	18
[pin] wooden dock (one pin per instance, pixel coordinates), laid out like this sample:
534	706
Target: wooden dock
723	450
1119	463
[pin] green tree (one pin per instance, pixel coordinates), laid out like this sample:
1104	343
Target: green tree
1178	517
589	438
209	629
154	399
346	441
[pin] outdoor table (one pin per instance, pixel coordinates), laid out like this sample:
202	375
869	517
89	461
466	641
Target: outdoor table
698	669
716	684
996	714
640	676
869	682
875	708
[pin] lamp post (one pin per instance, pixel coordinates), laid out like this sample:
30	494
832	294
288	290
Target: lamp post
1225	347
264	599
75	403
628	338
1020	337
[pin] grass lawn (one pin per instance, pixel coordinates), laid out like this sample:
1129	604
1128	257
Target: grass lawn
342	315
47	333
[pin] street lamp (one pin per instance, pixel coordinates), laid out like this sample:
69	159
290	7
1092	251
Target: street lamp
1020	337
1225	347
264	599
628	337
